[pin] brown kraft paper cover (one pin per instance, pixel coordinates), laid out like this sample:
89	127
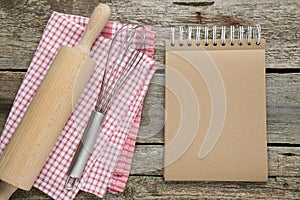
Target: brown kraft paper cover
215	113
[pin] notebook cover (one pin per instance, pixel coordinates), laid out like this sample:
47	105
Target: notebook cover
215	127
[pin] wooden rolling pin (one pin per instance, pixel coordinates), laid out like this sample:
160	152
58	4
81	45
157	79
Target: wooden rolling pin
49	110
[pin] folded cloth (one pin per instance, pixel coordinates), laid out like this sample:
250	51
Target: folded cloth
109	165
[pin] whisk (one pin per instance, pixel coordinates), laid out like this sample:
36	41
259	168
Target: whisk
125	53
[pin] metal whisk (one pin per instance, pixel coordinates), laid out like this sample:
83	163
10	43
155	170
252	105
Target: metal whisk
125	53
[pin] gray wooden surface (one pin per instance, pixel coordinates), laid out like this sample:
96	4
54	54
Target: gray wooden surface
21	27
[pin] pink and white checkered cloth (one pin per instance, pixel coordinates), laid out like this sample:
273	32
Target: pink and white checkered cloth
109	165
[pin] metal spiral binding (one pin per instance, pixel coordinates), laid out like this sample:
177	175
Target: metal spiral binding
206	36
223	36
181	28
198	35
231	35
189	40
249	35
172	36
258	34
241	35
194	34
214	35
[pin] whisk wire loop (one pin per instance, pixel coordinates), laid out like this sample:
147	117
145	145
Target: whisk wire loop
130	51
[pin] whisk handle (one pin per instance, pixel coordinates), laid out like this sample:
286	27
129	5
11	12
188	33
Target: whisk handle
85	149
98	20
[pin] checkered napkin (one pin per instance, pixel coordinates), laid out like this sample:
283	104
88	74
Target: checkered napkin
109	165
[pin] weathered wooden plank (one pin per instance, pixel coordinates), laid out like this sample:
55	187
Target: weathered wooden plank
157	188
283	107
283	103
283	161
22	23
9	85
283	182
141	187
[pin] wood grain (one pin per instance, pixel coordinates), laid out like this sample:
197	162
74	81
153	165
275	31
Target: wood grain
283	107
22	23
283	182
157	188
283	161
21	27
50	108
152	187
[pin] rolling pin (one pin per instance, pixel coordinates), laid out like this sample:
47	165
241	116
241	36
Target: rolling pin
49	110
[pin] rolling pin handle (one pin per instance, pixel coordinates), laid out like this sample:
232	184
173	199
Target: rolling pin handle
6	190
97	22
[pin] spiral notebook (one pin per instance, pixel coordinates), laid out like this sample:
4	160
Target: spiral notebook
215	128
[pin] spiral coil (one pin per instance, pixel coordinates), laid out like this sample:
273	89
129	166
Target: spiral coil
196	33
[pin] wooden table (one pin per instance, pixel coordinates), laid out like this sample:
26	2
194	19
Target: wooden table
21	27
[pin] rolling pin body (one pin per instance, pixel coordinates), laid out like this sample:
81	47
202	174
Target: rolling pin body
49	109
44	119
